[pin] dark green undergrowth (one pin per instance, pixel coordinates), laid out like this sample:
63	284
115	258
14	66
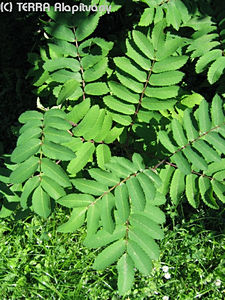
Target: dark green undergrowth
36	262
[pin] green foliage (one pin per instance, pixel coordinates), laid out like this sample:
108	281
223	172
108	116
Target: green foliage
128	133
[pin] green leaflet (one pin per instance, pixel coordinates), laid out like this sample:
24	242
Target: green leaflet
219	175
52	65
90	60
165	175
136	193
89	186
105	128
62	76
56	122
54	171
5	212
162	92
181	163
125	268
109	255
115	132
42	79
158	14
24	170
177	186
30	133
8	196
203	117
147	186
76	200
93	132
147	17
41	202
126	164
154	177
57	136
206	59
129	82
165	141
96	88
55	113
145	242
154	213
138	161
147	225
60	32
136	56
215	167
93	220
121	119
55	151
143	44
183	11
196	159
62	47
105	48
217	111
117	105
169	64
30	115
104	177
79	111
88	121
219	189
166	78
141	260
103	155
83	155
123	93
173	16
216	70
216	140
191	100
169	47
206	192
67	90
87	26
30	124
103	238
51	187
96	71
75	221
191	131
125	64
158	36
28	188
74	144
178	133
191	190
122	202
24	151
77	93
202	44
157	104
107	204
207	151
117	169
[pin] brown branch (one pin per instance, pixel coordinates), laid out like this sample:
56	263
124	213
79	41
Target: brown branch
185	146
81	67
